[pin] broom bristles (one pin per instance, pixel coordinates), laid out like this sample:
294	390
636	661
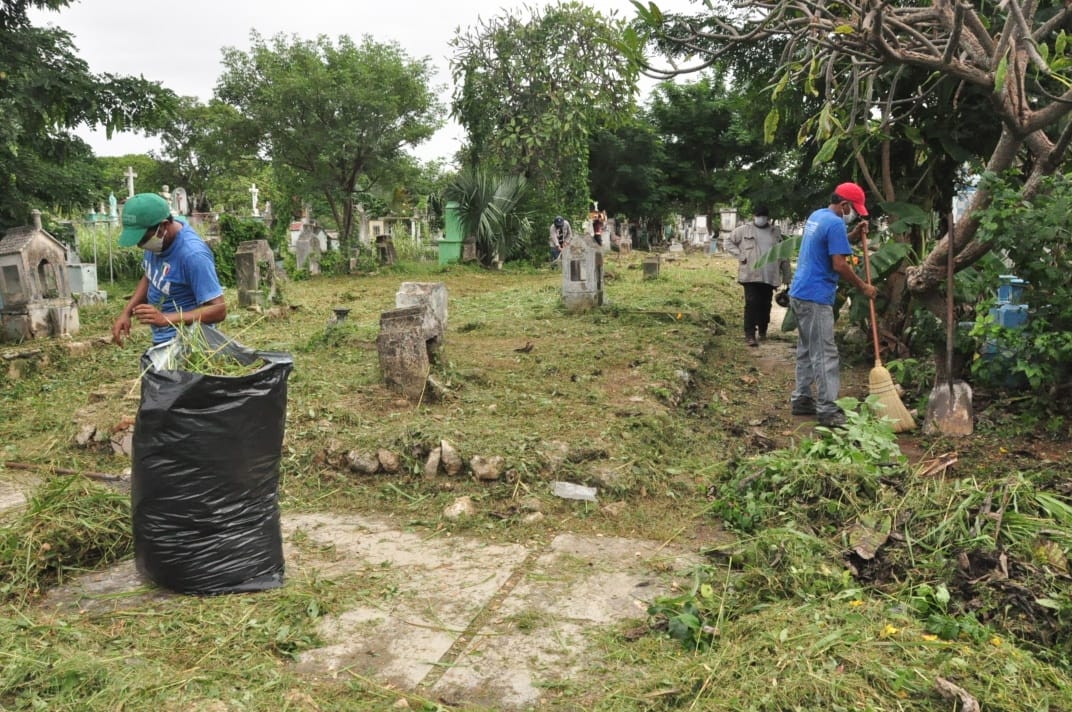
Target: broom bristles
881	386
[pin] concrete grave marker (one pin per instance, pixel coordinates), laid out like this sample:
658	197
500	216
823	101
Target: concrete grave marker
403	351
582	274
255	273
431	297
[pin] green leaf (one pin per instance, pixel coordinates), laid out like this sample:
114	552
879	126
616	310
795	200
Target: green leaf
826	152
999	75
770	125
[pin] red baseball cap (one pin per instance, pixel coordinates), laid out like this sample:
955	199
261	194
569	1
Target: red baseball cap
855	195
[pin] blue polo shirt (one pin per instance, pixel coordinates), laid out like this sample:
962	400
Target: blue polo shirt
815	279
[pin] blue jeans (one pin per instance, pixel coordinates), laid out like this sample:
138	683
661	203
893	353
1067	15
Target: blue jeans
818	364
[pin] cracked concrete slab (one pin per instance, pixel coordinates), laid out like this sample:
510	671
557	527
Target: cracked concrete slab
472	622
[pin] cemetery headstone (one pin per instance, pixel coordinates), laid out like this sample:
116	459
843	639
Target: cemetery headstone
385	249
180	204
307	250
431	297
582	274
254	192
255	273
403	351
130	175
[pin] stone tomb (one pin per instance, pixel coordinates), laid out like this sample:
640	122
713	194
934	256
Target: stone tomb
411	337
432	298
255	273
403	351
582	274
35	292
307	249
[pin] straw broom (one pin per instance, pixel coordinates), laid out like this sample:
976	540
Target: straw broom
880	383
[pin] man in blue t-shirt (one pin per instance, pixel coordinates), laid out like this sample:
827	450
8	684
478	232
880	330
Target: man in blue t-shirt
180	285
822	260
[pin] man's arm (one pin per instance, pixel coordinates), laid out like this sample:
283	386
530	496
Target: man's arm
121	326
211	312
732	243
845	271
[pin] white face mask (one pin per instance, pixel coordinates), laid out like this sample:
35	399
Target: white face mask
761	221
849	216
154	244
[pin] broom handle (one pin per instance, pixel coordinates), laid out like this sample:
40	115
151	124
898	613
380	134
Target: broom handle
949	313
871	302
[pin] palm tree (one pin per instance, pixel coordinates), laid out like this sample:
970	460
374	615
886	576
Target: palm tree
489	214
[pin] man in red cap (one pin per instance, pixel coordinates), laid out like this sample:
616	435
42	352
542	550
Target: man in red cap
824	248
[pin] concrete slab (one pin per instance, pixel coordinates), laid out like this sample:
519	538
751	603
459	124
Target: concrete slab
472	622
446	584
540	635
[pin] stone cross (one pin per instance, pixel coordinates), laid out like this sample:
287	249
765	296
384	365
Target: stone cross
254	193
130	176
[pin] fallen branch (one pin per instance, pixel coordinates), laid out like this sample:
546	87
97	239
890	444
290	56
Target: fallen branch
101	476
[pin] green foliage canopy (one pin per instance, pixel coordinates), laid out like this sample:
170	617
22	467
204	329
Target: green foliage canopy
529	92
332	117
46	91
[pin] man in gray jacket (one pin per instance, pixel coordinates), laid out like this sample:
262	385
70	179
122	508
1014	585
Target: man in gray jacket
561	234
748	242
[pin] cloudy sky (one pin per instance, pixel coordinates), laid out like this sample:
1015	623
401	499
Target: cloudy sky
179	43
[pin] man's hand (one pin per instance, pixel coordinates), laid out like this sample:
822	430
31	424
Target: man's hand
148	314
869	290
121	329
859	232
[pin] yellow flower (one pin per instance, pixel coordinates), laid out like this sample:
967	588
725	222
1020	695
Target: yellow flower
888	631
995	641
856	604
929	637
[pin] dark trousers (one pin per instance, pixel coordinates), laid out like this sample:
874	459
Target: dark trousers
757	305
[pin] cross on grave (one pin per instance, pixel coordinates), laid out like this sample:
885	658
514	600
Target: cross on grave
130	175
254	193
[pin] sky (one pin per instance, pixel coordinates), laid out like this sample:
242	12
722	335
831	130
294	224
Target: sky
179	44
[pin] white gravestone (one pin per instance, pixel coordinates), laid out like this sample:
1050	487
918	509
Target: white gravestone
130	175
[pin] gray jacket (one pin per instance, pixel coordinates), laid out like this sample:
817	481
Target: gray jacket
748	243
559	238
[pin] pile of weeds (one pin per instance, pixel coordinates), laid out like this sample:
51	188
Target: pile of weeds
847	651
70	525
889	583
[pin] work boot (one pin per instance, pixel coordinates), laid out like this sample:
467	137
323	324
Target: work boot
836	419
751	340
763	334
802	406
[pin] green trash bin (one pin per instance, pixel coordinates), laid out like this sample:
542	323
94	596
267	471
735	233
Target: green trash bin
450	247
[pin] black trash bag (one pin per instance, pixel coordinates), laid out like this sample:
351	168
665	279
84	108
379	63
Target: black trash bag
206	454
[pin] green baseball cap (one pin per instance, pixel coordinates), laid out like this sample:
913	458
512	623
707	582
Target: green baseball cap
141	212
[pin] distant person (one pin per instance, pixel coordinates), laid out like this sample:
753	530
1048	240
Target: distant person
748	243
180	284
561	233
598	222
824	248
